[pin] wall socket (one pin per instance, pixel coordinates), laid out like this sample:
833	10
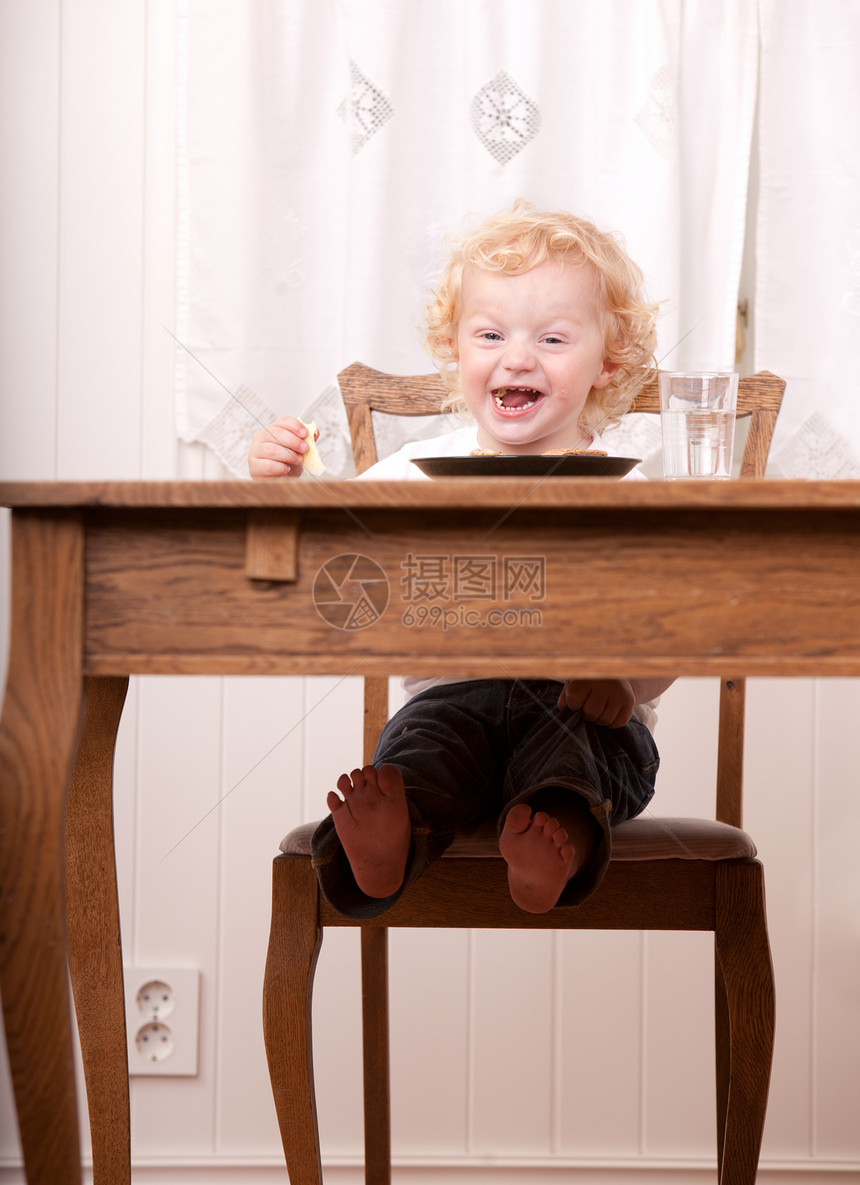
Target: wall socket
162	1011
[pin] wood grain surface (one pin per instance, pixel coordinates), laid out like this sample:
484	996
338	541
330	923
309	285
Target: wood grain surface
38	739
649	587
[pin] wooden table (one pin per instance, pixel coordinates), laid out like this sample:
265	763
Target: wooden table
491	577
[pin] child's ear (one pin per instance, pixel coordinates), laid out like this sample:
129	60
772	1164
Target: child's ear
606	374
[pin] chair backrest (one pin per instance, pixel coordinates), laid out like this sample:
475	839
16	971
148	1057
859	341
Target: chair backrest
365	391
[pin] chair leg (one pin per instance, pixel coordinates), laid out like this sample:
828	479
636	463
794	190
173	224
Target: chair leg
294	943
744	955
377	1090
723	1058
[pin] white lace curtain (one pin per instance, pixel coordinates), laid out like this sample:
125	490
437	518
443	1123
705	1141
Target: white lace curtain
327	146
807	302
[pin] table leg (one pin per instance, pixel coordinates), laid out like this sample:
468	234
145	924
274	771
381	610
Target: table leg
95	947
38	738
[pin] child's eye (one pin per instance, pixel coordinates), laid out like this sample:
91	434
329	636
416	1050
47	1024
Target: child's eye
552	340
490	335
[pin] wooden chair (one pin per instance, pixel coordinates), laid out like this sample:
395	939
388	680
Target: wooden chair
665	874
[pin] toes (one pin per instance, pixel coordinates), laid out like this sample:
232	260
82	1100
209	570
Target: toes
357	780
389	779
344	783
333	802
368	777
519	818
551	828
549	825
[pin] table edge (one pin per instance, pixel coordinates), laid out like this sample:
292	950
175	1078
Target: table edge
448	492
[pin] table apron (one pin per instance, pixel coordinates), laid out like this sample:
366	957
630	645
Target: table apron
530	593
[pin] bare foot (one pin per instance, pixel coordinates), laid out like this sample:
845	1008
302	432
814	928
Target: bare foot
540	859
372	822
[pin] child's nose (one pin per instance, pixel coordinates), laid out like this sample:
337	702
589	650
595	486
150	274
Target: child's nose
518	357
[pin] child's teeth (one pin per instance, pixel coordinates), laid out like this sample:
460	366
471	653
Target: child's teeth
499	397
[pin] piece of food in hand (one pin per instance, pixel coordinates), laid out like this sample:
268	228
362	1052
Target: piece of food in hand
311	460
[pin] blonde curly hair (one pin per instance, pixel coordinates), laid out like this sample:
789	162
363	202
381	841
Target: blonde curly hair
517	240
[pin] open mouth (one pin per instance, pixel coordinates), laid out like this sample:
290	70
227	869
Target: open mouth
513	400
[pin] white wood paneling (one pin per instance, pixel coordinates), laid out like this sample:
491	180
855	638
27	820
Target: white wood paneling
176	918
430	985
780	776
600	1044
29	213
679	1099
835	1006
686	736
512	1042
263	746
101	247
158	443
337	1046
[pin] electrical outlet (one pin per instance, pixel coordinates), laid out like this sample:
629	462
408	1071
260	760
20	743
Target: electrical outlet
162	1010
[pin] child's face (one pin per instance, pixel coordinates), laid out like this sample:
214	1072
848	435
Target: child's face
530	349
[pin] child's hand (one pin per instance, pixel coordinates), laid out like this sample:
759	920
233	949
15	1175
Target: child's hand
277	451
602	701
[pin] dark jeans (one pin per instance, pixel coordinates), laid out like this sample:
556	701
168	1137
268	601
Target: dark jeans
471	750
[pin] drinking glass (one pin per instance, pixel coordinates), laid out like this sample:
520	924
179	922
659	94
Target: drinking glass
697	415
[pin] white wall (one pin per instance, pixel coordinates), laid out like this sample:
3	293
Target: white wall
533	1051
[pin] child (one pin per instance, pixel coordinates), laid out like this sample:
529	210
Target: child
543	337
